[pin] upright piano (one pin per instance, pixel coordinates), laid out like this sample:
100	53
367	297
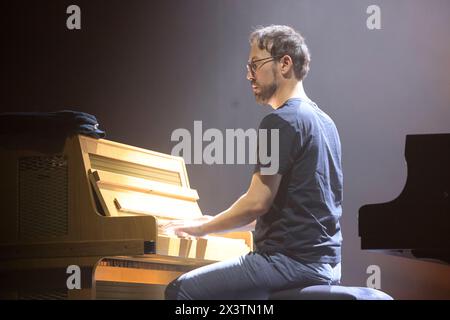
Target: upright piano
417	223
98	206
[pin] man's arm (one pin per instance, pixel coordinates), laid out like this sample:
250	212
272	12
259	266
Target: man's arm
254	203
248	227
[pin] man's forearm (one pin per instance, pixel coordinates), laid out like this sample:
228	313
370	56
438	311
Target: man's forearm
243	212
248	227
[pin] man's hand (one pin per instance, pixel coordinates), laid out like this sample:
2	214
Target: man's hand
184	228
196	231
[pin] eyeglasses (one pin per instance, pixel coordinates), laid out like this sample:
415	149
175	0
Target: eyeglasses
252	67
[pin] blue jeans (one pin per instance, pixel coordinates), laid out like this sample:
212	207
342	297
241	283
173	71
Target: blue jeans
252	276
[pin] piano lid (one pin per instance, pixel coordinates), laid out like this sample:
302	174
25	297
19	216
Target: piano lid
417	222
129	181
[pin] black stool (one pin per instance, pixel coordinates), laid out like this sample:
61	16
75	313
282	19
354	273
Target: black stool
325	292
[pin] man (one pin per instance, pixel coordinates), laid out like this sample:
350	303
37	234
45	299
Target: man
297	234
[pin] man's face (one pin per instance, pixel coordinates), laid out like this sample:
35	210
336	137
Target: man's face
262	74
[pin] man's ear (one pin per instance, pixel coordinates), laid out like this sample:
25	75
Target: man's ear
287	65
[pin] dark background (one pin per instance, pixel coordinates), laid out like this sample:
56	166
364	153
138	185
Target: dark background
146	68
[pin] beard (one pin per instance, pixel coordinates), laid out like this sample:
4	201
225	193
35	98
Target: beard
265	92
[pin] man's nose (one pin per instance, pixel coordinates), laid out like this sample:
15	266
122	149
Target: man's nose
249	75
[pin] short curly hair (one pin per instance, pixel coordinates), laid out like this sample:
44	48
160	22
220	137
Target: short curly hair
284	40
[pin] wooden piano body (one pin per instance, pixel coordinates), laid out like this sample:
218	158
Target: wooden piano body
97	205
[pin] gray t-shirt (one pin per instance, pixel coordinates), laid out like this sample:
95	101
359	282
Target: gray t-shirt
303	221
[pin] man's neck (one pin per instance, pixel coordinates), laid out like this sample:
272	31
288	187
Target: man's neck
289	90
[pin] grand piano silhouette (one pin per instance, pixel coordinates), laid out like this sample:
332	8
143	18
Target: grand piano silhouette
417	223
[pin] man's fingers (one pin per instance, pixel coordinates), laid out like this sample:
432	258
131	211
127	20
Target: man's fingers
174	223
182	234
181	223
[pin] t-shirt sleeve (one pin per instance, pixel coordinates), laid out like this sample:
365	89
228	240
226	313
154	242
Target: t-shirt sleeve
276	153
